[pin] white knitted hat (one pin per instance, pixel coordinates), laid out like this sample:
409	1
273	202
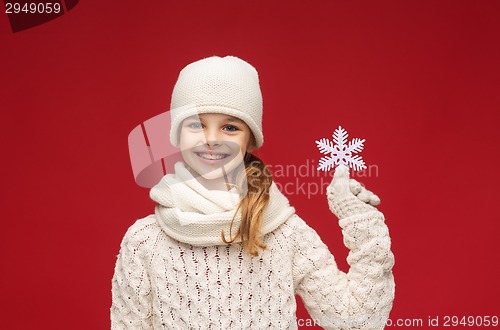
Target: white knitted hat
215	84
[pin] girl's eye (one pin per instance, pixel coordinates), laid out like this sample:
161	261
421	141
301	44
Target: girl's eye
195	125
230	128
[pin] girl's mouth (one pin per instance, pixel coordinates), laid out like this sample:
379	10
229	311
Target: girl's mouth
209	156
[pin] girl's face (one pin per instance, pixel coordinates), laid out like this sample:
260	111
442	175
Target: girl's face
213	145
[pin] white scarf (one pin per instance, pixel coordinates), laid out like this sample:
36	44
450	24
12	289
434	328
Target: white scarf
190	213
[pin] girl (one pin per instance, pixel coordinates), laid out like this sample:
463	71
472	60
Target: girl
224	249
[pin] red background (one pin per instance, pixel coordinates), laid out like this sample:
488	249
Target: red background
419	80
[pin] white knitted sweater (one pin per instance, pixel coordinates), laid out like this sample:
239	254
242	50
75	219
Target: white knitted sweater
162	282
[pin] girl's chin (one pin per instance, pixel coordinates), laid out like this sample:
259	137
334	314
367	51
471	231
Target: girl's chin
222	173
213	175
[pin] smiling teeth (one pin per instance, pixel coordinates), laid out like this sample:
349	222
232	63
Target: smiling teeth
211	157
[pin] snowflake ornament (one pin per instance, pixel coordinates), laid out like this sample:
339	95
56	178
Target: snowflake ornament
340	153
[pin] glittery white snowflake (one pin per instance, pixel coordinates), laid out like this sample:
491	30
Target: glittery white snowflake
340	153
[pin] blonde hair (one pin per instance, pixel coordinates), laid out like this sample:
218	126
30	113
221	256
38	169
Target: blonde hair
252	206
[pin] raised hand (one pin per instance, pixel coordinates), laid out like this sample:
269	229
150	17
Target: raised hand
348	197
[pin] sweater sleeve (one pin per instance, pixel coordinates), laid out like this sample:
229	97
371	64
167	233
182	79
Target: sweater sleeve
131	306
359	299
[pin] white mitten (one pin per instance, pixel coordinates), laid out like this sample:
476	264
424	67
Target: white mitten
363	194
347	197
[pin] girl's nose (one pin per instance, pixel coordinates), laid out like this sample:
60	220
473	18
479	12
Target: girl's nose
212	137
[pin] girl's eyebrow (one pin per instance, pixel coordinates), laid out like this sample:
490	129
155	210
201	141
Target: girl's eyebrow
227	119
233	119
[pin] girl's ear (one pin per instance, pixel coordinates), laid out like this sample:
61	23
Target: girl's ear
251	144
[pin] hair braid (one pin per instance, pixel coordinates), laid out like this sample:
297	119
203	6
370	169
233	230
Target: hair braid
252	206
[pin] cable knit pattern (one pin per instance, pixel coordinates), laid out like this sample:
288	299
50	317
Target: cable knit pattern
360	299
164	283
